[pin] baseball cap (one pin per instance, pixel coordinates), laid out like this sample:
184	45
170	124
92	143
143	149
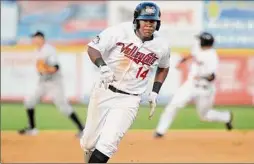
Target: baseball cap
38	33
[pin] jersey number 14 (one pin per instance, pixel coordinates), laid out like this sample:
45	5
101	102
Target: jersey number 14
141	73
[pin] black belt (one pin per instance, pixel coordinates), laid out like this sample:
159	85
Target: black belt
113	89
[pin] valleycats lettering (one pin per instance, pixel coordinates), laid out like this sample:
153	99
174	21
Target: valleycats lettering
136	56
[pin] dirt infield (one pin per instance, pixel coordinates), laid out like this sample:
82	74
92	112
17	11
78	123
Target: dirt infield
137	146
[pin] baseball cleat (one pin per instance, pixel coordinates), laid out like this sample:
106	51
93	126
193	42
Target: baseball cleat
229	125
28	131
158	135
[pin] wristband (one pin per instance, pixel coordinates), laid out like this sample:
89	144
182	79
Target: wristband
99	62
157	86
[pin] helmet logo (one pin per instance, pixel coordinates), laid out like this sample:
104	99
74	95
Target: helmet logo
149	10
207	36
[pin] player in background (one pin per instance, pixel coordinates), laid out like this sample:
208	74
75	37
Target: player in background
199	86
126	55
50	82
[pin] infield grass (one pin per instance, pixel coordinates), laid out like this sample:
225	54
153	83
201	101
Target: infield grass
13	117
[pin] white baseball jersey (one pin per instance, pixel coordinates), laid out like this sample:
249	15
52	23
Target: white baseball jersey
205	62
48	53
131	60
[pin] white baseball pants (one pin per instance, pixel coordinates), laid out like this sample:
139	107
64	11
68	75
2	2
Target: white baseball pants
53	88
109	117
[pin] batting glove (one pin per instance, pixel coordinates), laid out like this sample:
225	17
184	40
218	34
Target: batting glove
107	76
153	102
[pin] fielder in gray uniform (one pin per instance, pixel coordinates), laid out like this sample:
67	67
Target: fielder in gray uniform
50	82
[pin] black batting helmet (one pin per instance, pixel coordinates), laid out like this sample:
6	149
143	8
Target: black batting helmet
147	11
38	33
206	39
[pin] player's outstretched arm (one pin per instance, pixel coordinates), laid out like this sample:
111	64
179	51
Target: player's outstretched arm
160	77
185	59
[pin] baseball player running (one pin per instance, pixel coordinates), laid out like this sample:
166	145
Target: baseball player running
126	55
200	86
51	82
